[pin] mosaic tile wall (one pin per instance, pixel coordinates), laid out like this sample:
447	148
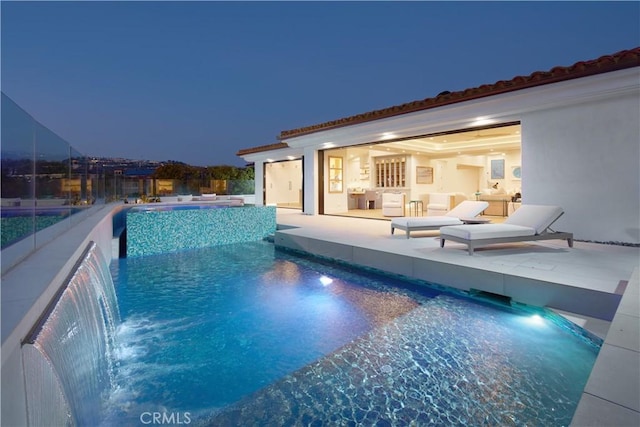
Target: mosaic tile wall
154	232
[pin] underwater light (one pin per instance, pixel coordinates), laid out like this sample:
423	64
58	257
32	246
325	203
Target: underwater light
326	281
536	320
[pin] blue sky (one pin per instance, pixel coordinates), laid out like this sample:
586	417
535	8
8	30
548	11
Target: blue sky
197	81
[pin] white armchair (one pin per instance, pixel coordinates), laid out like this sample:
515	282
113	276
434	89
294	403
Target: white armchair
393	204
440	203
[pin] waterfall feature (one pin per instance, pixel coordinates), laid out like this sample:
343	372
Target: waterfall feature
68	355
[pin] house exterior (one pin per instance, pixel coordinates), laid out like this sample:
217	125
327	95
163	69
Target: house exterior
569	136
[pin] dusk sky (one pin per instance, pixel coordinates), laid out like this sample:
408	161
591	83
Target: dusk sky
197	81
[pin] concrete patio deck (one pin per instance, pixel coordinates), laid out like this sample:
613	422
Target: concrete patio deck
594	285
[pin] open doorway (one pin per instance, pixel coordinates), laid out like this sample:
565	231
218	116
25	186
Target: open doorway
283	184
472	164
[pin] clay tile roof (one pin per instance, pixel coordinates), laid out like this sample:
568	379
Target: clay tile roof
261	148
604	64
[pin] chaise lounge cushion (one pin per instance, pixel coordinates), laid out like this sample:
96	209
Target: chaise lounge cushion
531	221
538	217
487	231
425	221
465	210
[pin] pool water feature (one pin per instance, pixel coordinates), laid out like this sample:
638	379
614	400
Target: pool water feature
239	333
68	356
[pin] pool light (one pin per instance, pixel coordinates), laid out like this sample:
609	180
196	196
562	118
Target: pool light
536	320
326	281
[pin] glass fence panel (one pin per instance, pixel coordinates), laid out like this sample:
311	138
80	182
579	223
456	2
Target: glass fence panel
44	180
244	186
17	219
51	175
81	190
149	190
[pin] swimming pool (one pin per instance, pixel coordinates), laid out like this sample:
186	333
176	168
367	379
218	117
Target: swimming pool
234	334
18	223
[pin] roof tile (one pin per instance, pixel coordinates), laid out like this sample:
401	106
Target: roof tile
617	61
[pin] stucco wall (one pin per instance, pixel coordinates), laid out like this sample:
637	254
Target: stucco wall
586	159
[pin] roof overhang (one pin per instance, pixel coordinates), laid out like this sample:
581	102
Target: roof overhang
488	105
277	154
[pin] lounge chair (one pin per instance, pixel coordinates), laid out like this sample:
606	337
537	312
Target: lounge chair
464	211
529	222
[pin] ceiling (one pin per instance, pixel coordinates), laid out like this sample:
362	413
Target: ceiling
476	142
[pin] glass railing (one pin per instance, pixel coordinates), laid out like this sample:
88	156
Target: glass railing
44	179
46	182
155	190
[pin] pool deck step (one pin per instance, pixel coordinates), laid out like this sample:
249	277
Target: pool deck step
518	271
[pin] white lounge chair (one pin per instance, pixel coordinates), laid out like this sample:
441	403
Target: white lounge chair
529	222
466	210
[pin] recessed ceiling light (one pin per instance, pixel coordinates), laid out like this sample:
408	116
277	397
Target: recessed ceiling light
480	121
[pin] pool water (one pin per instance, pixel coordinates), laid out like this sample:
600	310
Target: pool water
239	333
18	223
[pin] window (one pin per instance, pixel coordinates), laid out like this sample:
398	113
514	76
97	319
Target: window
390	171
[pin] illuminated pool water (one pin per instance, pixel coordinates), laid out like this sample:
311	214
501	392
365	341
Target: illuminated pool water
18	223
237	334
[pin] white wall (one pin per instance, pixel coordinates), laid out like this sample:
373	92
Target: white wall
586	159
311	181
259	183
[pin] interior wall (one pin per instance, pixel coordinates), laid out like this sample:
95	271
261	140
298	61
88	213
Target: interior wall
284	182
509	183
585	158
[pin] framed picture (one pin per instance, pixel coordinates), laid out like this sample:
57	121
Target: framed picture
424	175
516	172
497	169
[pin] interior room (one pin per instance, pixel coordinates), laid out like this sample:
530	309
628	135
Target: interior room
429	174
283	184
